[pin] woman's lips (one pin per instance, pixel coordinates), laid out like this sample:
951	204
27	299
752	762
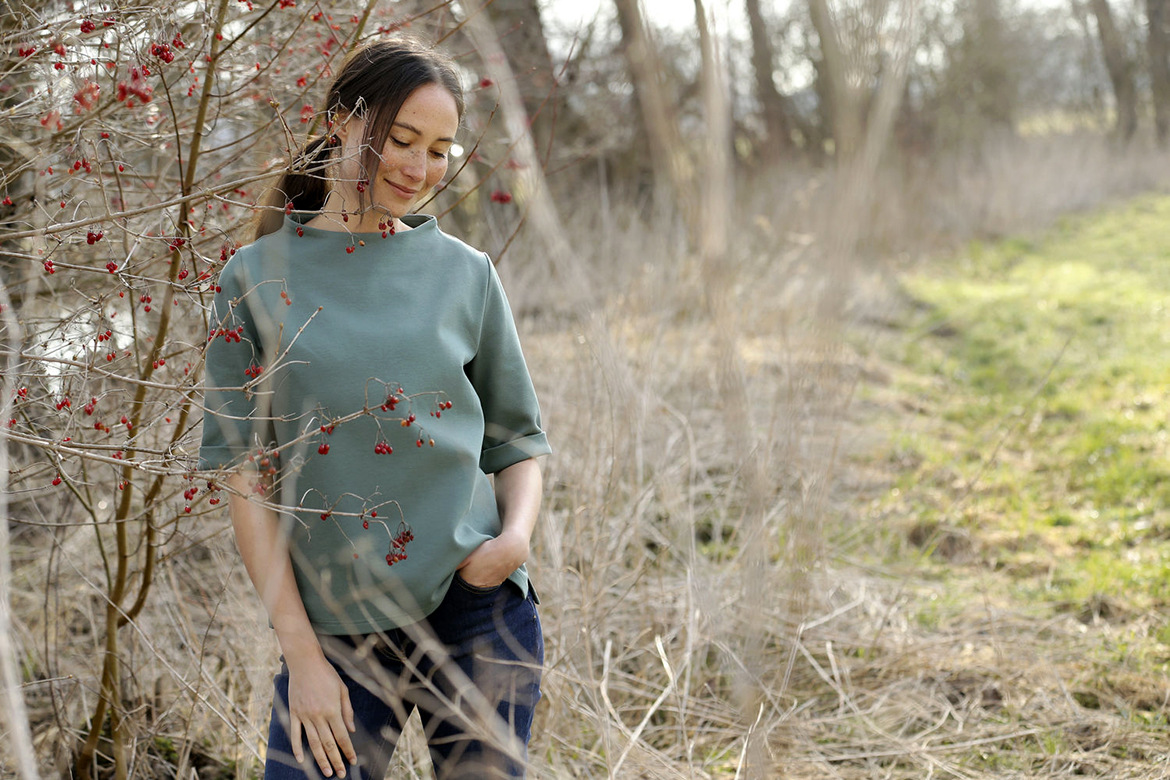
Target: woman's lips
403	191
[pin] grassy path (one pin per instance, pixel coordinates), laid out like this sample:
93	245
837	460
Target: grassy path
1029	410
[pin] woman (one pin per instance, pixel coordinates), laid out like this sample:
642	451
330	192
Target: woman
378	382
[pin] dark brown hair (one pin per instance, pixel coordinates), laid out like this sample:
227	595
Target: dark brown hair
373	83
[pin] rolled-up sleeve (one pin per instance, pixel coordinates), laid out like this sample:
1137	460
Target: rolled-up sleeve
511	414
235	421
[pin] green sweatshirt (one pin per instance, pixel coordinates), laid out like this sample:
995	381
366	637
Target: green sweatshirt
411	338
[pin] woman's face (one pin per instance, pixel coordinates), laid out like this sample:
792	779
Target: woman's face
414	157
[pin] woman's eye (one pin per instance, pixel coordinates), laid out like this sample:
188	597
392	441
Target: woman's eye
398	143
439	155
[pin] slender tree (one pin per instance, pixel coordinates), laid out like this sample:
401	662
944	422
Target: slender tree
844	105
777	125
1158	48
518	24
1121	70
994	97
665	146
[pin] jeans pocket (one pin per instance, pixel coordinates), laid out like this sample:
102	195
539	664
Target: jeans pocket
475	589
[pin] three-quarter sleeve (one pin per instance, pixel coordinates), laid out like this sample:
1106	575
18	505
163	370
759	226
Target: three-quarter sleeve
235	421
511	414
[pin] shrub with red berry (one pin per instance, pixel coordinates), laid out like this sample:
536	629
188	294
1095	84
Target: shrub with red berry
144	145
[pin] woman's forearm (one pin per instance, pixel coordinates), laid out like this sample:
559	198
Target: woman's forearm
518	490
264	550
518	494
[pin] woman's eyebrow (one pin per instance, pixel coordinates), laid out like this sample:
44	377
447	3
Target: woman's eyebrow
416	131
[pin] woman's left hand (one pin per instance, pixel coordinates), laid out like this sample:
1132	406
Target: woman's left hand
491	563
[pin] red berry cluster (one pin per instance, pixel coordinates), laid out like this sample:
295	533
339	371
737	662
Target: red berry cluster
387	229
383	448
254	371
105	336
391	401
307	114
398	545
442	405
266	465
88	25
229	334
137	88
49	267
146	300
192	491
87	96
162	51
92	238
64	403
323	448
89	407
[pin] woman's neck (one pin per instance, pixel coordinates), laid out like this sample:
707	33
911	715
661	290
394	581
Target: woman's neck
334	217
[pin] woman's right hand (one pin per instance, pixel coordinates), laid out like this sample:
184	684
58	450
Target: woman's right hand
318	702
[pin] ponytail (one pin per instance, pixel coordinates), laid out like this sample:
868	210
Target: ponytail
304	184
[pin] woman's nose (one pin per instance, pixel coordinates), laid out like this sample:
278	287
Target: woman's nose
414	166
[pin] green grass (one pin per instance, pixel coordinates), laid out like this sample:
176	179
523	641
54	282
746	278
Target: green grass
1038	372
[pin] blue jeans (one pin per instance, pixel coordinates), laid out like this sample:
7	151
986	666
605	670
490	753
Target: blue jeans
472	668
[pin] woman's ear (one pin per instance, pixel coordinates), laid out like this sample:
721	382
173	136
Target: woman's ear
345	124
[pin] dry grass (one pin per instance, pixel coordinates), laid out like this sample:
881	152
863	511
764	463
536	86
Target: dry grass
713	577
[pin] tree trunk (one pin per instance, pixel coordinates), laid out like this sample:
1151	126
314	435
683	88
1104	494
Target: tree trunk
996	98
844	104
777	127
1121	70
518	25
1158	46
661	129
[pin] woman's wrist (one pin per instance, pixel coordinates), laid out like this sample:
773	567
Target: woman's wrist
517	544
299	646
